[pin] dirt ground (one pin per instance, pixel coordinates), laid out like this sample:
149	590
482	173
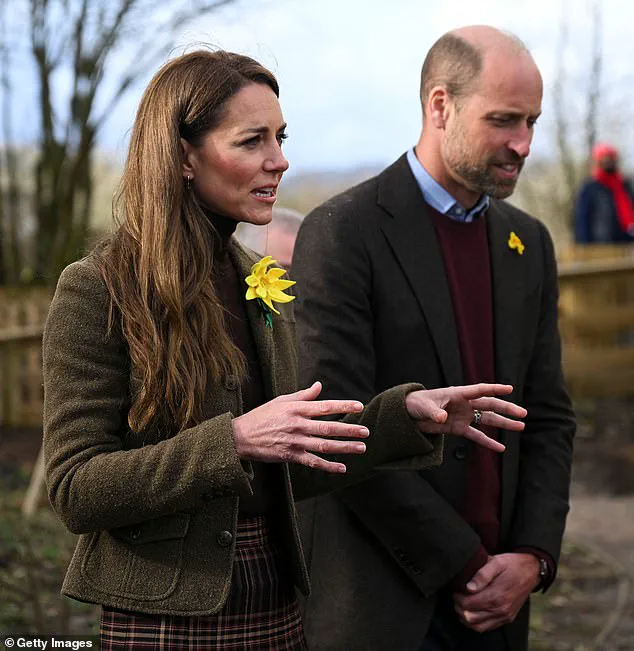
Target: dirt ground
591	606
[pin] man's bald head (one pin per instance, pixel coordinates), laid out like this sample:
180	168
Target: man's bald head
456	59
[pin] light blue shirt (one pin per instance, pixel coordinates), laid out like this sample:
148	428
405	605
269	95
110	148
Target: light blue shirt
439	199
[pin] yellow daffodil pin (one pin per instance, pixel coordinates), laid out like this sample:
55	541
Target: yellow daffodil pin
266	287
515	243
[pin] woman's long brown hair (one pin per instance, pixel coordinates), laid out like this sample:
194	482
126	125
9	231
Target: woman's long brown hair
158	264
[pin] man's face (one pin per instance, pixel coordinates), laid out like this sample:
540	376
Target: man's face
488	134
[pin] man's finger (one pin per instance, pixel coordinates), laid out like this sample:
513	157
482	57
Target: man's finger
483	622
482	439
485	575
474	391
501	422
500	406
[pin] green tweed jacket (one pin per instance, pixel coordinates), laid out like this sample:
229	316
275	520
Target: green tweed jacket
158	516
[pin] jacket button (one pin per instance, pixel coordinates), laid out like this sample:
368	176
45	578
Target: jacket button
460	452
224	538
135	533
231	382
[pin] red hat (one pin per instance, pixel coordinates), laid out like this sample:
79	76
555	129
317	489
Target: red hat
602	149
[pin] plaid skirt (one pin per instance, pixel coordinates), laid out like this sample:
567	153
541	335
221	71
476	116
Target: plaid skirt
260	613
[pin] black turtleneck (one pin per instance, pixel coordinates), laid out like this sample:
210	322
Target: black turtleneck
231	290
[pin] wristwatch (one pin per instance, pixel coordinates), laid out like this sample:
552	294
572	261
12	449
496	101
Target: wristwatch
544	571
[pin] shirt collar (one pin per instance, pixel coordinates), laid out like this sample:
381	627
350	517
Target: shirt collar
439	199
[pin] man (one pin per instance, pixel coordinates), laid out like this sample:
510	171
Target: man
423	274
277	239
604	211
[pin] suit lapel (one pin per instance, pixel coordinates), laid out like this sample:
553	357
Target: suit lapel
412	236
508	276
262	335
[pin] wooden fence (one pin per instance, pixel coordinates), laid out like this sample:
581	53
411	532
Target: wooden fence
596	320
22	317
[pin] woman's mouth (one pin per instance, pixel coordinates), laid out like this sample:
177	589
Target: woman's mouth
266	194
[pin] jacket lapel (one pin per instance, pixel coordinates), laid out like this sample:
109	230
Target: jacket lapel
508	275
412	236
262	335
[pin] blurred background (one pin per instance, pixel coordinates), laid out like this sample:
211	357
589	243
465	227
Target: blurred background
71	75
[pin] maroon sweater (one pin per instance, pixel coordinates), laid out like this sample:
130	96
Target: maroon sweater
465	250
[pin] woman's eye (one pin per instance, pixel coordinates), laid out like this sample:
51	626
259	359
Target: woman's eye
251	142
281	137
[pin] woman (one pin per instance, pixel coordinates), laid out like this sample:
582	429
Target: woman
170	400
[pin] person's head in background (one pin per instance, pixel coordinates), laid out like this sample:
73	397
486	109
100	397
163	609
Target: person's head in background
605	157
277	239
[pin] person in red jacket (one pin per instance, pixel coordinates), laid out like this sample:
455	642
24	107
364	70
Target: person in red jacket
604	210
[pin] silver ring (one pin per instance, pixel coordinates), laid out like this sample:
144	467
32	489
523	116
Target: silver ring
477	417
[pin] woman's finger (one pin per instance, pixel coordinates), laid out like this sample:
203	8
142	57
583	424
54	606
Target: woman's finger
326	446
333	428
329	407
317	463
500	406
310	393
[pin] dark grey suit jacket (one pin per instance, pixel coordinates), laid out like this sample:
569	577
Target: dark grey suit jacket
373	311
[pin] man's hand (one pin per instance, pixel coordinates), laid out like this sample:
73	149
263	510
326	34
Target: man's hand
450	410
497	591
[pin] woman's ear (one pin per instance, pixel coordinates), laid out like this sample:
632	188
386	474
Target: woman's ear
188	152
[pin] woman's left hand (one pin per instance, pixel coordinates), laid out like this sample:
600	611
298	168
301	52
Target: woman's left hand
451	410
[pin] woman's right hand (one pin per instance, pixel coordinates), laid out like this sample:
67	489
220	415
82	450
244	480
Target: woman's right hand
283	429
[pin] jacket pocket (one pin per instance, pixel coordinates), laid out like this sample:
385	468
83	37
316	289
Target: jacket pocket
141	561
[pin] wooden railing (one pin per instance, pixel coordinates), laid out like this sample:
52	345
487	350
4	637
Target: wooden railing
597	320
22	317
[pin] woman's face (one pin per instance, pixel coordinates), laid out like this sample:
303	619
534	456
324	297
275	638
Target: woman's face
237	167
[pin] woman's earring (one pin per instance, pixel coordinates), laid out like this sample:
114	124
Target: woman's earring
188	182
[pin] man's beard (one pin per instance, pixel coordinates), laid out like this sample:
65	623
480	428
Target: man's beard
479	175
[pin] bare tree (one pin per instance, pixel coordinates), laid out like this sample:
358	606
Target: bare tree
574	151
549	187
73	41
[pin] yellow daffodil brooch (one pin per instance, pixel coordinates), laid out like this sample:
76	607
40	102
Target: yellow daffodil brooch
515	243
266	287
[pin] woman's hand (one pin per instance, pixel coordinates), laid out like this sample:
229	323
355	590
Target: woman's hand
283	429
451	410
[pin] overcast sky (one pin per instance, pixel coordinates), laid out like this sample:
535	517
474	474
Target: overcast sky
349	69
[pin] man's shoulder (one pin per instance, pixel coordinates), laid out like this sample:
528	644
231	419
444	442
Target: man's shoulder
346	204
359	203
532	231
517	215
